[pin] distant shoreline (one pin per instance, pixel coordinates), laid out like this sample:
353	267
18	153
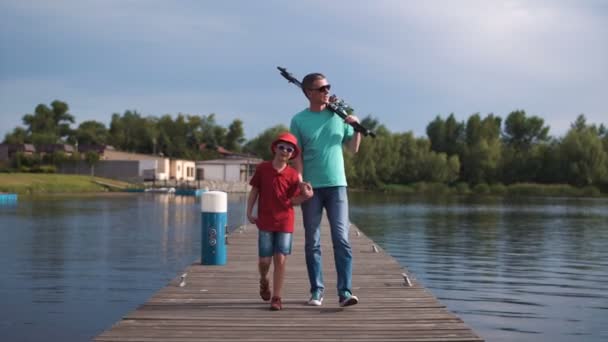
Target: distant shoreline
37	184
41	183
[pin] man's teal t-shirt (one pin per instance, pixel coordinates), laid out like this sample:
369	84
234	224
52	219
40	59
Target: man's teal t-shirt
320	136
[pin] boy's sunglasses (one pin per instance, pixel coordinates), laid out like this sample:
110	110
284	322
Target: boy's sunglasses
323	89
285	148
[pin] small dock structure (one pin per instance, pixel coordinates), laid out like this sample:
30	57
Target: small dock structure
8	199
221	303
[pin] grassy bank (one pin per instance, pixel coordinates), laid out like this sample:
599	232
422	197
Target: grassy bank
37	183
519	189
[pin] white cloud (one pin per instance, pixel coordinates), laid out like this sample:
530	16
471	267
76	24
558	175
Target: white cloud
389	58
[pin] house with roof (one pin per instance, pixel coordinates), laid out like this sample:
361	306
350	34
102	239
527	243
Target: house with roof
135	167
52	148
7	151
236	168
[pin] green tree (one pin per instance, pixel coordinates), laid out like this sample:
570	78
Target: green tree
482	152
18	136
260	145
435	131
92	133
521	155
92	158
49	125
235	136
361	167
446	136
371	123
583	155
173	137
523	132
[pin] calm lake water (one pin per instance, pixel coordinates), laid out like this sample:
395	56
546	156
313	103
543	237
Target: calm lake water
514	270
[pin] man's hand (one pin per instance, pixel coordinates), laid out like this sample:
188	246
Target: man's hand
252	219
351	119
306	190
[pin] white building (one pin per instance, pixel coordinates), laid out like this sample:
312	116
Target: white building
156	167
182	170
227	169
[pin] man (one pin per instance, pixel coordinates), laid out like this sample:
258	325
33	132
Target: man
321	135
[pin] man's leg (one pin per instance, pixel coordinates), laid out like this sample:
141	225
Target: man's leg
337	214
311	213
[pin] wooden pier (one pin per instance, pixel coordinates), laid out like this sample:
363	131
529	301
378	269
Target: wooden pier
221	303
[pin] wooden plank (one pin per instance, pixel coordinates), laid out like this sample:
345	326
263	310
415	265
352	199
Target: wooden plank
221	303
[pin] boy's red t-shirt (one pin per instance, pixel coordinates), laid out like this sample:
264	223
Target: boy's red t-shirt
275	211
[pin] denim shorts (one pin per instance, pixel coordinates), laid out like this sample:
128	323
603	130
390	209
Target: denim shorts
270	243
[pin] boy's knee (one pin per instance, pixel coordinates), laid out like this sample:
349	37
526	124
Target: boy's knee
265	261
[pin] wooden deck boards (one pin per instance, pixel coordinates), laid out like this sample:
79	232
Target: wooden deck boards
221	303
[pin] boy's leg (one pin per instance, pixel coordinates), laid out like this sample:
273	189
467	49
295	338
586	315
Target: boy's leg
282	248
264	267
264	261
279	274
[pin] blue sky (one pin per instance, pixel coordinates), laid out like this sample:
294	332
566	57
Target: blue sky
404	62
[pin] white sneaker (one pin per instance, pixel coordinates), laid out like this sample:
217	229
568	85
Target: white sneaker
347	299
316	299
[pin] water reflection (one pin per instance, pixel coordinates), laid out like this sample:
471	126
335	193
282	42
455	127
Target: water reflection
64	255
533	269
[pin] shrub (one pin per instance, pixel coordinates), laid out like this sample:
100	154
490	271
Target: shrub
462	188
498	189
591	191
397	188
481	188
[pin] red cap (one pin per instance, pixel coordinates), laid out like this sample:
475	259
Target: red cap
288	138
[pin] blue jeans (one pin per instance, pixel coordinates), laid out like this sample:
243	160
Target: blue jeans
335	202
271	243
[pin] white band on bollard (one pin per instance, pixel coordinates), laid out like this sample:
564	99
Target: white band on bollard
214	202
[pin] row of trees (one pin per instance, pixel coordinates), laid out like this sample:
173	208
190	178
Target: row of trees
186	136
480	150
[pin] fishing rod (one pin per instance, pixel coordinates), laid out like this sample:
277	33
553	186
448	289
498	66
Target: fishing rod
337	106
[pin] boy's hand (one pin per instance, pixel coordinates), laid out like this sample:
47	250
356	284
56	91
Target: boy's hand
252	219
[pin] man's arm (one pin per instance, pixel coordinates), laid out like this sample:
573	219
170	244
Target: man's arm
355	141
306	192
298	165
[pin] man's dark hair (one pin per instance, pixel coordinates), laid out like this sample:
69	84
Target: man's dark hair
309	79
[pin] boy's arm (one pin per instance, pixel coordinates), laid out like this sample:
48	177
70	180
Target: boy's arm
298	199
306	192
253	197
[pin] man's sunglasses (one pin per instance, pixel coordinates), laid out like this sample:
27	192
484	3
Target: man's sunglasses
323	89
285	148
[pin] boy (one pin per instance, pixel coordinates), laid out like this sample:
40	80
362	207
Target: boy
278	188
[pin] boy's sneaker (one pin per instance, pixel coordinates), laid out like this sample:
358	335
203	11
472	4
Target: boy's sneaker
265	289
316	299
348	299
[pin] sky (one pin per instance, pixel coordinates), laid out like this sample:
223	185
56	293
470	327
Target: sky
403	62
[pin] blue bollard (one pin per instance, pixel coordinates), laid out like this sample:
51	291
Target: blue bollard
214	205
